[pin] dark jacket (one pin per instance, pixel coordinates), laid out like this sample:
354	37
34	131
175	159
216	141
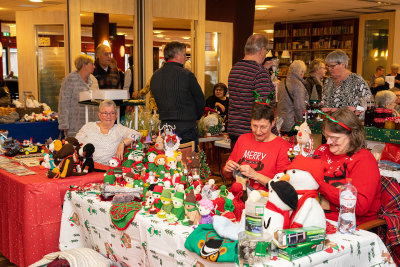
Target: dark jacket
177	93
212	100
109	79
310	83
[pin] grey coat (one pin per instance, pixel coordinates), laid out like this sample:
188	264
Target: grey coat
291	111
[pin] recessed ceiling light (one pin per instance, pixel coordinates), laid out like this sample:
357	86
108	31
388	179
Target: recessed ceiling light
261	7
36	1
159	35
32	6
269	31
167	38
157	32
186	38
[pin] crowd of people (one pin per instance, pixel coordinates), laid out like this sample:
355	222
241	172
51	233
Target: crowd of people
259	152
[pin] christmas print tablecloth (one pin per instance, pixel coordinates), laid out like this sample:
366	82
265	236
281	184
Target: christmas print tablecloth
150	241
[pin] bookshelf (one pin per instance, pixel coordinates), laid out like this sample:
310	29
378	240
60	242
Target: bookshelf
309	40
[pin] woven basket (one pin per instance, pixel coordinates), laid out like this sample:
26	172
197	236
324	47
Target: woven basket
23	111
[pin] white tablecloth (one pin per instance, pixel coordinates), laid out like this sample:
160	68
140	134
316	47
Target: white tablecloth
149	241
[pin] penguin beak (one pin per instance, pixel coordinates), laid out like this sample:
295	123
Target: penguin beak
285	177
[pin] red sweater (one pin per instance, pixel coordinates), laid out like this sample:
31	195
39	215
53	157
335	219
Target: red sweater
363	169
267	158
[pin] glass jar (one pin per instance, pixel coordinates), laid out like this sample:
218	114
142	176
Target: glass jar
397	123
389	123
388	112
379	123
379	113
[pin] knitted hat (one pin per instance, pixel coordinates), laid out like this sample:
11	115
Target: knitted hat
166	195
223	191
314	166
191	198
178	196
197	183
158	190
286	193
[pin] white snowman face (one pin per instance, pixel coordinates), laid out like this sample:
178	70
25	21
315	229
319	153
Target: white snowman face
151	157
137	158
113	163
149	200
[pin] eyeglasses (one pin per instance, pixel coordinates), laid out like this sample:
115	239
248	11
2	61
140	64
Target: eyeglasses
331	66
333	139
105	114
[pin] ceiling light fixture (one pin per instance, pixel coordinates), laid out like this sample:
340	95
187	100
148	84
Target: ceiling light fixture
36	1
157	32
159	35
1	49
269	31
185	38
262	7
107	43
285	53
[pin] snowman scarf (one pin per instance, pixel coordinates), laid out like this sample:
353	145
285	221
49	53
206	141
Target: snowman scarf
285	213
306	194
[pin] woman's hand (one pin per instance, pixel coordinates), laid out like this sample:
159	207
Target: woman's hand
219	105
120	151
248	171
230	166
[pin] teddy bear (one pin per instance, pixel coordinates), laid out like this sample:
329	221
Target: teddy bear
66	167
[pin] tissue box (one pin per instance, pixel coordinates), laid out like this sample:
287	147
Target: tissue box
85	95
113	94
294	236
301	250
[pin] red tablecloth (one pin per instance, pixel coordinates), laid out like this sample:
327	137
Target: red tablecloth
30	213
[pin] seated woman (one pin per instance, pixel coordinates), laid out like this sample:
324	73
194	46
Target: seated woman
108	138
346	157
259	155
387	99
219	101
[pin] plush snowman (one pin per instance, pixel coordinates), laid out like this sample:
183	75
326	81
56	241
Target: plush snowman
281	201
302	174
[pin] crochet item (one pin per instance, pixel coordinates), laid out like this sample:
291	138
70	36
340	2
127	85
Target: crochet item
122	214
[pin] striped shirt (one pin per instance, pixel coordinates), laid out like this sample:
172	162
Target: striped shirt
245	76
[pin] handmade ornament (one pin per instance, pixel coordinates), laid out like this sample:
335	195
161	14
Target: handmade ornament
238	203
191	208
129	161
157	194
179	163
171	140
160	162
166	201
109	176
304	145
129	179
138	166
193	161
179	209
282	199
208	189
109	191
302	174
73	141
86	152
159	145
205	170
66	167
150	161
48	161
149	202
122	214
206	206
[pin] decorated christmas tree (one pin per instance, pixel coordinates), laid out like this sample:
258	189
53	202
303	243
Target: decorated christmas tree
205	171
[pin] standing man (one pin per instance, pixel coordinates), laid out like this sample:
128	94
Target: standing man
107	77
178	95
247	75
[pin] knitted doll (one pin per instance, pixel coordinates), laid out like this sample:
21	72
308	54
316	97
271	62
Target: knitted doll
179	209
159	144
150	158
138	166
206	206
192	211
282	199
173	171
179	162
129	179
304	141
129	161
219	202
157	194
166	201
48	162
109	176
237	191
160	161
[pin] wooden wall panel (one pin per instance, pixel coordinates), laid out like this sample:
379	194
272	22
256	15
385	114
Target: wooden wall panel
182	9
125	7
75	30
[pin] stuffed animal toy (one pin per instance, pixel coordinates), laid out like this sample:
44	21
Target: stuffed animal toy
150	159
173	171
66	167
166	201
87	152
302	174
171	144
191	208
129	158
238	203
149	203
48	161
53	148
179	163
193	161
282	199
138	166
109	176
160	161
304	141
159	145
129	179
206	206
179	209
157	191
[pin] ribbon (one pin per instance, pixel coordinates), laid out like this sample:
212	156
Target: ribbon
169	137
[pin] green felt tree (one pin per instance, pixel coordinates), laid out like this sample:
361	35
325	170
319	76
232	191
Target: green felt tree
205	171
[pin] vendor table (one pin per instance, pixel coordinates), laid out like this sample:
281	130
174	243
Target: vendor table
30	213
119	103
38	131
149	241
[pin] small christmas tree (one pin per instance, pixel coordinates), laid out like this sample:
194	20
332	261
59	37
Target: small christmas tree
205	171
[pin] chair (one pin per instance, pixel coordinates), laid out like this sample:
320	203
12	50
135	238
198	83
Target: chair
388	224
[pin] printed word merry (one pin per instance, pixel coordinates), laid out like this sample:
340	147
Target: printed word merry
254	155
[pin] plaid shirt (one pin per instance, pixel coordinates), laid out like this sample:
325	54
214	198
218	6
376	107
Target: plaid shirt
390	212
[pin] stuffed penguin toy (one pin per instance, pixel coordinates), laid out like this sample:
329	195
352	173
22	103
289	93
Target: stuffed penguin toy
302	174
282	199
66	167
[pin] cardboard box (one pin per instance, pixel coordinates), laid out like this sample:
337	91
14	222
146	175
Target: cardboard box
290	237
85	95
113	94
300	250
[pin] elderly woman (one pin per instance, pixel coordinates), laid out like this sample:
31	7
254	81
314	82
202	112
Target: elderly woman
71	114
346	157
343	88
387	99
259	155
108	138
219	101
315	81
292	97
396	91
395	72
379	73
